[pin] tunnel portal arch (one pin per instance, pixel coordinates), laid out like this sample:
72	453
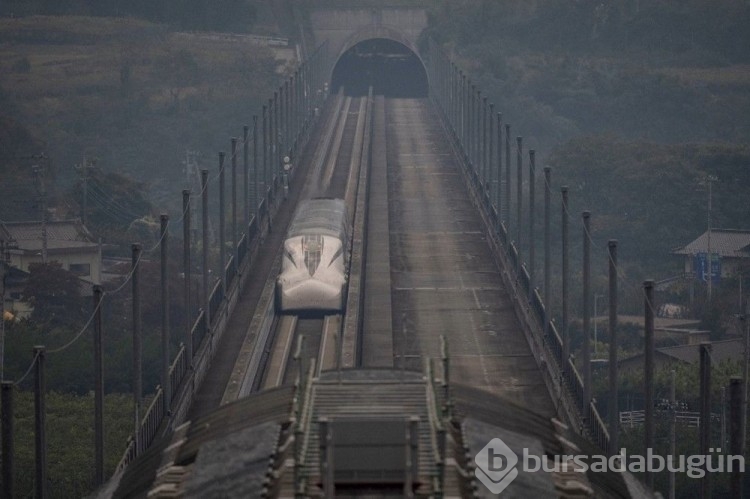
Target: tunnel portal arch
381	57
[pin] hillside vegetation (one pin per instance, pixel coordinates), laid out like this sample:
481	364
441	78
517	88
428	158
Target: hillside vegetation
127	98
133	95
633	104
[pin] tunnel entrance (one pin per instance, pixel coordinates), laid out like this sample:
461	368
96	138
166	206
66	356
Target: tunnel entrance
389	66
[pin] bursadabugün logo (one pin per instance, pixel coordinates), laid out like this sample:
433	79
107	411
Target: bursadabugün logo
496	465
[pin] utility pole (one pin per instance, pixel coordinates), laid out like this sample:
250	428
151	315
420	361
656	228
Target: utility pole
3	268
672	430
99	389
586	314
40	423
710	179
648	376
705	410
614	407
83	172
710	259
39	171
192	173
745	324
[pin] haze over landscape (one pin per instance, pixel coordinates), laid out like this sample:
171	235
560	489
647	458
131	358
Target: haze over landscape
639	107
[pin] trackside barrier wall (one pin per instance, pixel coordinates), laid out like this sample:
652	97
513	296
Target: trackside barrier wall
561	376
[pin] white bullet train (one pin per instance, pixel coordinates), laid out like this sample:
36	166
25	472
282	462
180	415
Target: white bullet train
314	266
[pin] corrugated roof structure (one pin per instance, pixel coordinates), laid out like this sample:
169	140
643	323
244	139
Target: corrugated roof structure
725	242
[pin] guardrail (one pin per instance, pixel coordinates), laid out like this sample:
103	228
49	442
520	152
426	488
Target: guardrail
560	374
185	374
687	418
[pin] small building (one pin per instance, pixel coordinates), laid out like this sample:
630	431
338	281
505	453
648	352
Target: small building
67	242
731	246
725	350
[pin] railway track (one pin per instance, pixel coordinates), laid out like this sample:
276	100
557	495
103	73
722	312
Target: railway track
420	268
292	341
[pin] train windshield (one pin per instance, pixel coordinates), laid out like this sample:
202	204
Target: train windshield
318	216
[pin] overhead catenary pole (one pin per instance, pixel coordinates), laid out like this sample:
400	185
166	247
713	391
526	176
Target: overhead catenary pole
222	229
648	373
519	191
245	179
565	279
672	430
711	179
235	238
464	111
4	264
8	443
472	126
507	177
40	432
186	270
547	248
498	183
204	223
271	159
532	245
614	410
705	409
135	280
735	434
586	313
98	389
265	155
165	381
745	322
256	197
39	172
285	118
483	161
276	140
490	187
478	135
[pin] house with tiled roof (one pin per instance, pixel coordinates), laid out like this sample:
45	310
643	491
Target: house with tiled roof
731	246
65	241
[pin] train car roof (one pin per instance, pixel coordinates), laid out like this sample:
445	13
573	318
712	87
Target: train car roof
318	216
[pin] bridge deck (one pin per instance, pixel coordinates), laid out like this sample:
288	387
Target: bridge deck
444	279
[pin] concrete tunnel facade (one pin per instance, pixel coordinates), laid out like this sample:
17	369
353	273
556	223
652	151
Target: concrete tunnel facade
383	57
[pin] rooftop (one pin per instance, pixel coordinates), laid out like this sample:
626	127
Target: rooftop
725	350
724	242
61	234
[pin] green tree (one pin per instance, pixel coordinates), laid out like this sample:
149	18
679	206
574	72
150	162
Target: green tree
55	294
